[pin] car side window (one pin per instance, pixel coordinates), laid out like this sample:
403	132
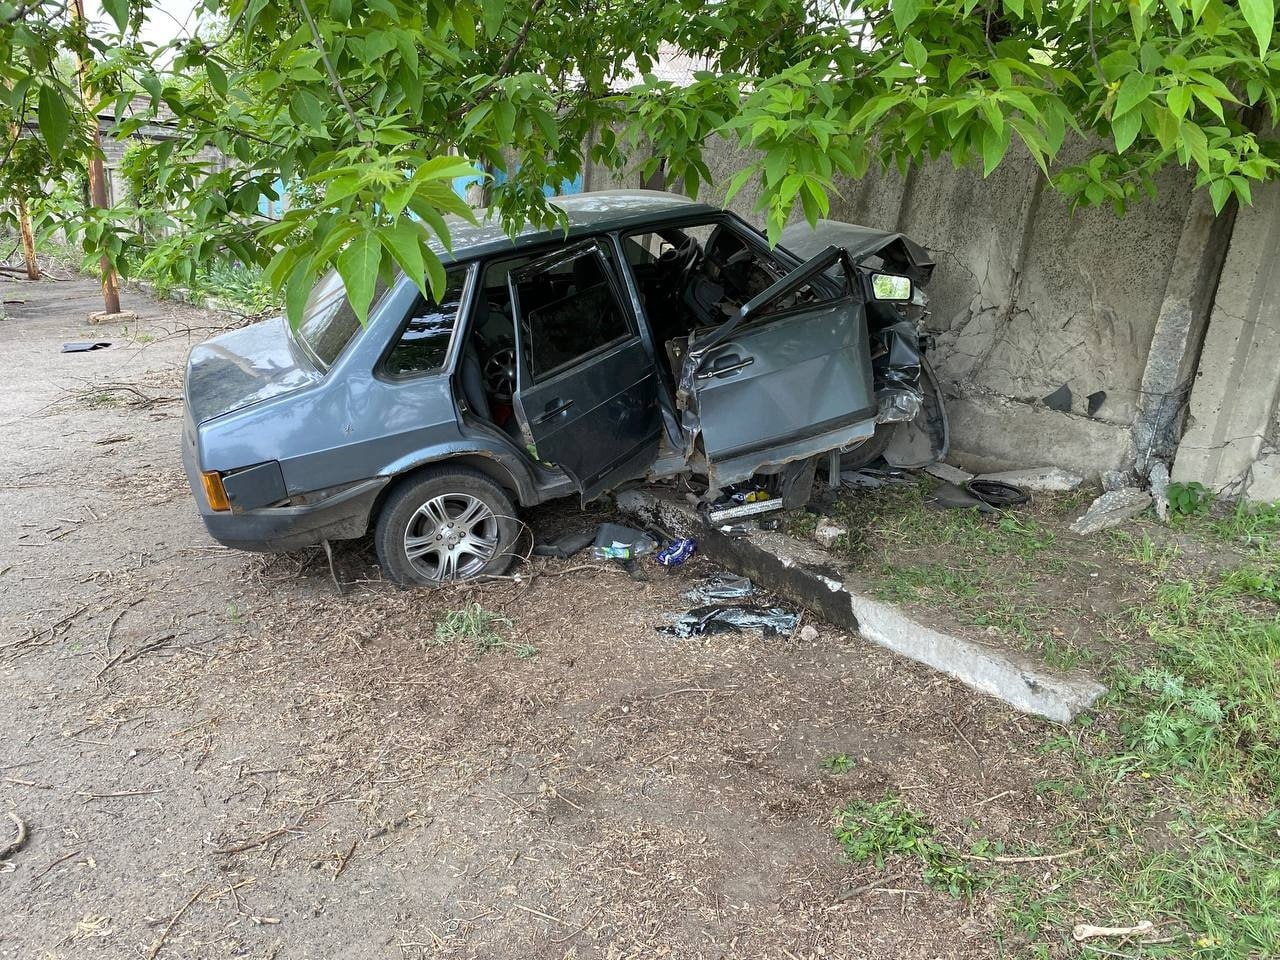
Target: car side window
568	311
423	343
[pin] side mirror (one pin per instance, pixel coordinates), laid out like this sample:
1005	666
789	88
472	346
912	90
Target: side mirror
888	286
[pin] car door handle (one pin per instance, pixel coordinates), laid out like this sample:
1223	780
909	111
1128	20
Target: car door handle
738	364
554	409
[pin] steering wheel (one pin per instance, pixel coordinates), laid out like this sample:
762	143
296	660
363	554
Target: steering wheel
499	371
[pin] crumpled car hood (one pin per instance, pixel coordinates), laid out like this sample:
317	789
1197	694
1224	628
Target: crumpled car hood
900	254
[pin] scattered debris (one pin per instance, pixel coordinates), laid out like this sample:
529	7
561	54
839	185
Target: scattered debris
1094	402
722	586
1059	400
84	346
1086	931
828	533
1039	479
870	478
164	934
997	493
677	552
708	621
18	842
1111	509
1158	480
566	546
615	542
948	496
808	633
946	472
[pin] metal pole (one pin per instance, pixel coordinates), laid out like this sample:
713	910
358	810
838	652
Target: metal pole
97	176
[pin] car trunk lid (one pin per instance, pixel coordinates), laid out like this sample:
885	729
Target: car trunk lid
244	367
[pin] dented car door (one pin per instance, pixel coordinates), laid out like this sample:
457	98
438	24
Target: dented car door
786	378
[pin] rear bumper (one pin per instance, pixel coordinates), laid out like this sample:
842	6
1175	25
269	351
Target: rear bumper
342	516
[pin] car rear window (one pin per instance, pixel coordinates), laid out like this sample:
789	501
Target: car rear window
424	339
328	322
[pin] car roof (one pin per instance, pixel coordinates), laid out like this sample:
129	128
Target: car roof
587	213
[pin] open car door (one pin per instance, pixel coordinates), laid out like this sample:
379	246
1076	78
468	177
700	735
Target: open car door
787	377
586	393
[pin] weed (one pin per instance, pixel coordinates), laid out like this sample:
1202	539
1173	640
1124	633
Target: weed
1150	554
1189	499
478	625
840	763
876	831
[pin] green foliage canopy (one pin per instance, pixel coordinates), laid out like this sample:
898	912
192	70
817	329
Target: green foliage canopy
368	109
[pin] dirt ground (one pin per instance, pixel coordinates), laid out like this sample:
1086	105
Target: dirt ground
219	755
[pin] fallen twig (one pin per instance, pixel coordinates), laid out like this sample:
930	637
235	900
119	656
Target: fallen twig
18	842
342	863
89	797
164	934
1086	931
1040	859
262	841
62	859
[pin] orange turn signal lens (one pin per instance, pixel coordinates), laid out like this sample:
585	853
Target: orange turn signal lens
214	492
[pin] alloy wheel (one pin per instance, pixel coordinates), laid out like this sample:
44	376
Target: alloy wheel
451	537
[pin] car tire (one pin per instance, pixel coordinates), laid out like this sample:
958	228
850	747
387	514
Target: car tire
445	524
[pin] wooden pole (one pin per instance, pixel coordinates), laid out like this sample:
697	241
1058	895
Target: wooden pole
97	176
28	241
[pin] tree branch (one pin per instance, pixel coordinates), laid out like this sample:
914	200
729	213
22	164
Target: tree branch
328	66
508	62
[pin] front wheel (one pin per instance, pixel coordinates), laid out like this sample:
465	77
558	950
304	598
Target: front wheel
445	524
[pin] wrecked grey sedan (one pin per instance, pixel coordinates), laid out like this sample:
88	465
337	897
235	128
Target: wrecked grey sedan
657	337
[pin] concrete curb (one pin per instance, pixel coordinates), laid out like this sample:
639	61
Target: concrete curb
807	575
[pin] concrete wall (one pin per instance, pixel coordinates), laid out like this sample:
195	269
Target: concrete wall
1230	443
1028	296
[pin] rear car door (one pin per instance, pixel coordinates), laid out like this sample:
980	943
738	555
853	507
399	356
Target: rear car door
787	377
586	388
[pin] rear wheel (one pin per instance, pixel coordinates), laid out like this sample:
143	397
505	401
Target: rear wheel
445	524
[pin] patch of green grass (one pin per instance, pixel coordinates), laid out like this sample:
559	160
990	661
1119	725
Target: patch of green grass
925	583
480	627
889	828
840	763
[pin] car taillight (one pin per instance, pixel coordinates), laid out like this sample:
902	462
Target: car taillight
214	492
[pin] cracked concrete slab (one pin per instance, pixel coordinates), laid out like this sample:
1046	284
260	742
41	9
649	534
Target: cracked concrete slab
810	576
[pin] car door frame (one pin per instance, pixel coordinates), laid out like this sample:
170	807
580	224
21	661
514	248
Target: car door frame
630	460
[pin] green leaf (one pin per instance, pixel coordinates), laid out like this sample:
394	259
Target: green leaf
738	182
1179	100
1261	17
404	242
905	13
464	24
119	10
1125	130
915	53
493	11
1135	88
1220	193
217	77
296	292
358	266
55	120
994	144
